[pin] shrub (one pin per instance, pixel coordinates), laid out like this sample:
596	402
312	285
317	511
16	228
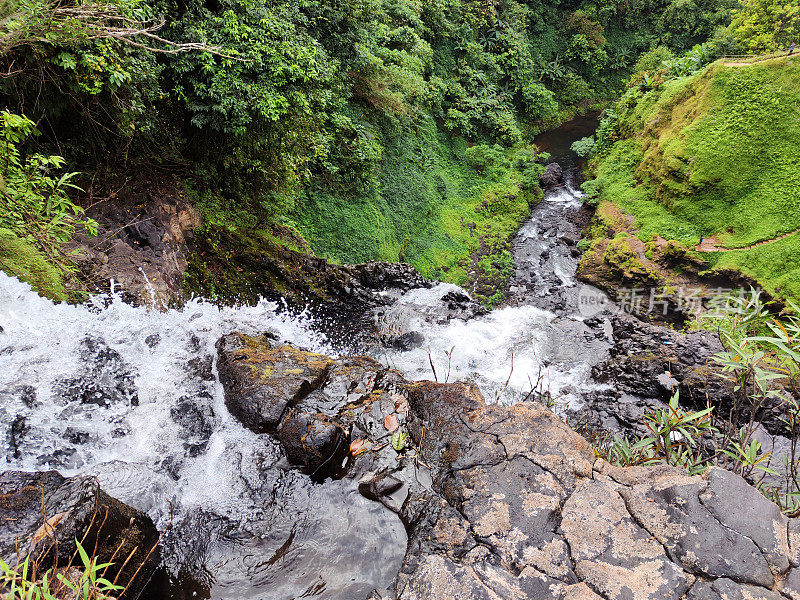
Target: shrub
484	158
654	59
584	146
33	196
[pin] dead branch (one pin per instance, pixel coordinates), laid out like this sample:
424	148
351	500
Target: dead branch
26	27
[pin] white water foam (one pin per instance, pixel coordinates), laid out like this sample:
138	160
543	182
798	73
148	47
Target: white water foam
43	345
507	352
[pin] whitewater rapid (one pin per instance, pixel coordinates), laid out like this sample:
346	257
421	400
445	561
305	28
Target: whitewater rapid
131	395
530	348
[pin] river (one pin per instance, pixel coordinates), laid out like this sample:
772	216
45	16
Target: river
132	396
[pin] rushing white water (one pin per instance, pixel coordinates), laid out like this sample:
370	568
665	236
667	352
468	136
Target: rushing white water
46	346
507	352
520	350
131	395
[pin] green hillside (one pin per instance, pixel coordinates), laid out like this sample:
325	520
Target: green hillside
714	155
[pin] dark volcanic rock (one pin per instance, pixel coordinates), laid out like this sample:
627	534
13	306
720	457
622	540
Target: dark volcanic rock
404	341
44	513
509	502
142	243
380	276
461	306
260	381
649	363
195	416
652	361
16	434
553	176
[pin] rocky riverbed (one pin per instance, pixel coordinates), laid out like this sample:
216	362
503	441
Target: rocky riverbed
508	501
472	500
276	452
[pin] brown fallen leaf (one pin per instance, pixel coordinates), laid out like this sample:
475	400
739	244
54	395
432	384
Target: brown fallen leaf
400	404
391	423
359	446
47	528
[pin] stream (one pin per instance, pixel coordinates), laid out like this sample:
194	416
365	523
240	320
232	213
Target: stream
132	396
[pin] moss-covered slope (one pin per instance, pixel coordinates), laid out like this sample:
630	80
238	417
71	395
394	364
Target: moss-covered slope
448	208
715	156
20	258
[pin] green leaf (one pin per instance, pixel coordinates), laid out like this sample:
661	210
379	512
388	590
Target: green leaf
84	557
399	439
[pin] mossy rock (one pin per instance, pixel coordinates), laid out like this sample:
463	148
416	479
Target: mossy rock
22	259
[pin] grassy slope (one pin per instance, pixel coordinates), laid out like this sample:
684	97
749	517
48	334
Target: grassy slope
430	209
716	154
21	259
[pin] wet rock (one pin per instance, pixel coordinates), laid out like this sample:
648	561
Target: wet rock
76	436
552	176
643	353
314	442
260	381
316	432
380	486
381	276
461	306
44	513
647	364
651	363
16	435
405	341
142	243
509	502
196	418
200	367
107	379
27	393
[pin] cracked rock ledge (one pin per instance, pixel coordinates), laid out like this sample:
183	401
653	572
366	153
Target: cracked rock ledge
506	502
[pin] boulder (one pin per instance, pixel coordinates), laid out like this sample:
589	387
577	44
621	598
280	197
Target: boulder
260	381
552	176
510	502
404	341
44	513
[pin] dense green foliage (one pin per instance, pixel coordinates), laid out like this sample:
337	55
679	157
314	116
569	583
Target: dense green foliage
33	196
713	154
362	124
767	25
36	214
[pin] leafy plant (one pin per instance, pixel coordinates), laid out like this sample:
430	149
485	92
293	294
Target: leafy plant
584	147
33	196
88	583
674	438
762	361
749	456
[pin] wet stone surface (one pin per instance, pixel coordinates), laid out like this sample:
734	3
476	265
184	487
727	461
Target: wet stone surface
43	513
509	502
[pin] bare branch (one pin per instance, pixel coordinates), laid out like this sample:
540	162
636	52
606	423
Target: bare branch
28	25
